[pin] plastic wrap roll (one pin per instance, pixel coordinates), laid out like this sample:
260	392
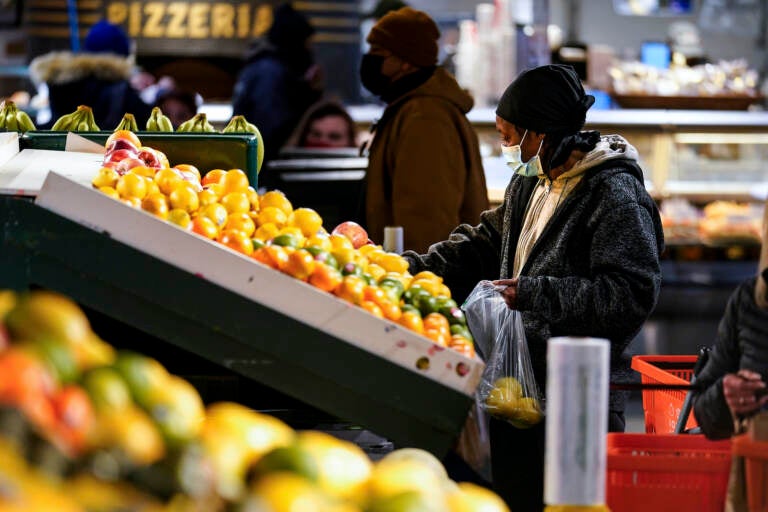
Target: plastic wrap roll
577	421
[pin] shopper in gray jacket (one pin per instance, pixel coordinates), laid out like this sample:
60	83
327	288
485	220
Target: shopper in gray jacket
576	242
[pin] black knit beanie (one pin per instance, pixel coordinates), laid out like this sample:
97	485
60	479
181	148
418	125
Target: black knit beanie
546	99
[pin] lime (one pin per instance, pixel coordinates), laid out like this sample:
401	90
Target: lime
59	357
293	459
107	389
286	240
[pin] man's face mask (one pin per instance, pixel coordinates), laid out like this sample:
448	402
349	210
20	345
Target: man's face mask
371	76
514	157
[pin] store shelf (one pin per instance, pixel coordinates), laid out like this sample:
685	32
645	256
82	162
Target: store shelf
234	312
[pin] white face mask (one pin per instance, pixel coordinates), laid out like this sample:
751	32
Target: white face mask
514	157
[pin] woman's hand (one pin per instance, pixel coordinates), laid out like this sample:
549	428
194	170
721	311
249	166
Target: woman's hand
744	392
509	292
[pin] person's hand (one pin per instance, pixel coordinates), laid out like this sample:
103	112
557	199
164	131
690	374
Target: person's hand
315	77
509	292
744	392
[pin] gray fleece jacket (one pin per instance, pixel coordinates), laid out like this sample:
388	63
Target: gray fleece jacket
594	270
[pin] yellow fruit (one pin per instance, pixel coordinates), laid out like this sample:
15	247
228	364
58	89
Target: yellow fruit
152	187
111	192
277	199
433	287
271	214
319	240
308	220
266	231
143	375
177	410
215	212
392	262
408	501
180	217
184	197
344	467
207	196
285	492
527	413
468	497
216	188
341	242
167	180
235	180
421	456
135	434
253	198
390	478
133	202
156	204
369	248
344	255
503	398
241	222
106	177
429	275
376	271
131	185
236	202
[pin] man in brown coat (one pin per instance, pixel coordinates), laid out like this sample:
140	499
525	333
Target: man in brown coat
425	172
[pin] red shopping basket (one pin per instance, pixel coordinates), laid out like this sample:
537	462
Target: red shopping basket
755	455
662	407
676	473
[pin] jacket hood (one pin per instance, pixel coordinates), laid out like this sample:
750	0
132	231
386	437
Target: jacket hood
441	85
609	147
64	67
761	288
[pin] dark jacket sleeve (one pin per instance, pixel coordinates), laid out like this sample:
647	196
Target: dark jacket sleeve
471	254
709	406
624	281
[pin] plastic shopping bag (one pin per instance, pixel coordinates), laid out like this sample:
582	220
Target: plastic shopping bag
507	389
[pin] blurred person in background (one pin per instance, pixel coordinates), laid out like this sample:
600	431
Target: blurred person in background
279	82
732	383
177	104
327	124
423	141
98	77
574	247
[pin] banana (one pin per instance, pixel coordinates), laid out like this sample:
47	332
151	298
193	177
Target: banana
90	121
10	120
239	124
164	124
158	122
63	122
186	125
128	123
25	122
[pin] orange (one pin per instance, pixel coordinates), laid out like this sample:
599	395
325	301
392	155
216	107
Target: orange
438	322
235	180
76	416
437	336
188	168
236	202
106	177
123	134
205	227
307	220
184	198
167	180
271	214
241	222
156	204
273	256
300	264
412	320
374	294
143	170
216	212
133	202
253	197
181	218
266	231
277	199
131	185
213	176
236	240
207	196
325	277
372	308
462	345
391	311
351	289
111	192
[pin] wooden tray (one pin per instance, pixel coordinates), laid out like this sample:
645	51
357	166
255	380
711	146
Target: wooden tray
686	102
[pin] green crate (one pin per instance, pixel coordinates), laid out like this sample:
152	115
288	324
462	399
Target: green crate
205	151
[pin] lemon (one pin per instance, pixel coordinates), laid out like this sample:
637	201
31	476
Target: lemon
177	410
527	413
293	459
421	456
266	231
106	177
395	476
409	501
285	492
134	433
376	271
180	217
184	197
143	375
167	180
323	241
344	467
429	275
236	202
110	191
392	262
271	214
216	212
307	220
131	186
107	389
276	199
341	242
253	198
235	180
468	497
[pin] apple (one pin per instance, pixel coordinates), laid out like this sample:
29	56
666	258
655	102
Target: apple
353	231
119	155
121	144
127	164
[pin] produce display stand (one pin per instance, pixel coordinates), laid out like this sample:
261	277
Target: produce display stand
232	311
205	150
